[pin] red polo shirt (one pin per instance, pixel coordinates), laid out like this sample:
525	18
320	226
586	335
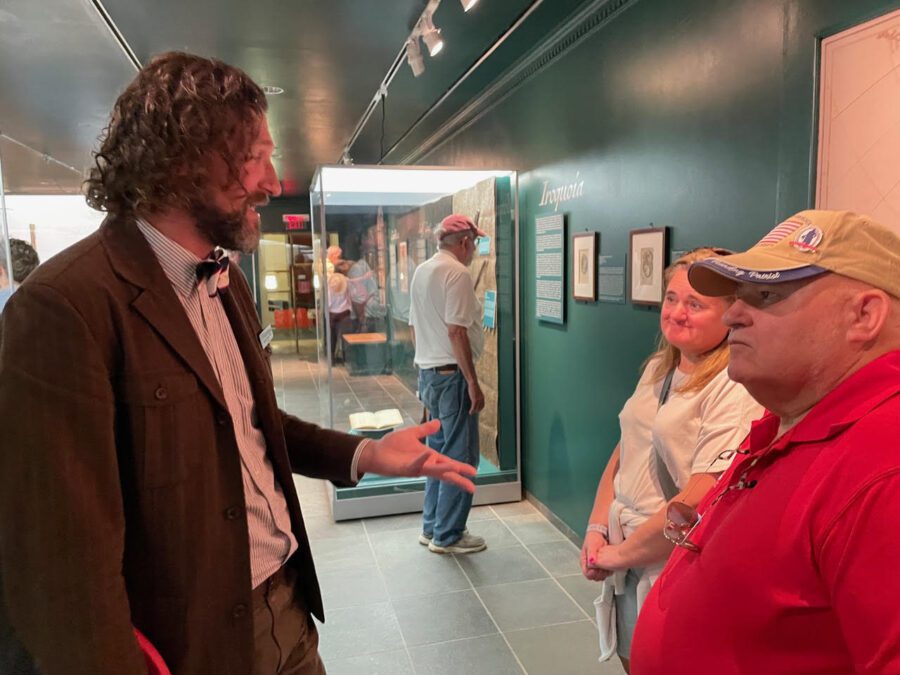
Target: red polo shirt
801	573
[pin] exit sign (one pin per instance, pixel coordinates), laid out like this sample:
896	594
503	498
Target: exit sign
295	221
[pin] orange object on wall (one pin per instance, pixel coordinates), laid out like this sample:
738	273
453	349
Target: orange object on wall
284	318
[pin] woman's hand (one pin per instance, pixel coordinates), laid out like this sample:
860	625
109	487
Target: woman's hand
594	542
611	559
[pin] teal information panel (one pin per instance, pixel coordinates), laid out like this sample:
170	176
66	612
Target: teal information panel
490	309
550	237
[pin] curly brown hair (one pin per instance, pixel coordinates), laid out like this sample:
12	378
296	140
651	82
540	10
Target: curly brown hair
23	258
154	154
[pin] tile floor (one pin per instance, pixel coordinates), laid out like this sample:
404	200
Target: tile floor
394	608
297	392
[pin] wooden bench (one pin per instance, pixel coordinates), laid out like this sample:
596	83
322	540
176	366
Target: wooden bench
366	353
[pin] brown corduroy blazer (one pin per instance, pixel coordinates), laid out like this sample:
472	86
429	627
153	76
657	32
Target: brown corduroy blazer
121	501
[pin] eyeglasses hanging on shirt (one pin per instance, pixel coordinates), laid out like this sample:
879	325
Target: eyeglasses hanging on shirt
682	519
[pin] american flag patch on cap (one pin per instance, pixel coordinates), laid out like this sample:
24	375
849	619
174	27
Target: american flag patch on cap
783	230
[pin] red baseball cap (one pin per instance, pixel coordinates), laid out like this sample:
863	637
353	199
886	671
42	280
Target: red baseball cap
456	222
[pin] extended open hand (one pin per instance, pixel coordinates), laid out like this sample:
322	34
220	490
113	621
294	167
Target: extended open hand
402	453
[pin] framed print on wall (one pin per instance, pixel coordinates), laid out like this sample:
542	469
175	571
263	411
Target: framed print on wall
584	266
647	262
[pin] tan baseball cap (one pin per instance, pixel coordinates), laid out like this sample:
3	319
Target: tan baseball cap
805	245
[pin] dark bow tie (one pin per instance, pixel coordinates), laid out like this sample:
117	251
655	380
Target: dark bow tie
214	271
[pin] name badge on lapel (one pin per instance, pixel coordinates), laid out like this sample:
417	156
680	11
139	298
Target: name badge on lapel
265	336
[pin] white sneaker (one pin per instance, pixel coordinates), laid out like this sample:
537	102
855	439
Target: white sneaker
425	539
468	543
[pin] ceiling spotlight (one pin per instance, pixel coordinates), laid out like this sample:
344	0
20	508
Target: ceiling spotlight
272	90
468	4
414	56
431	36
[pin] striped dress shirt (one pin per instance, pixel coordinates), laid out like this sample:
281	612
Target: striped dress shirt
268	520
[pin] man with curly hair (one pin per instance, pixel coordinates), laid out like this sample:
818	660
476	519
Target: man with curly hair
151	487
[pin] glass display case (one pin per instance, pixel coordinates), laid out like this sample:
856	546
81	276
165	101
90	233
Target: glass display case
286	298
5	255
371	228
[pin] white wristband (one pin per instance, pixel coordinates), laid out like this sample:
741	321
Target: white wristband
597	527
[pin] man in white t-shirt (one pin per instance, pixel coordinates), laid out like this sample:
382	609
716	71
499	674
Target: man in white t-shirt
445	318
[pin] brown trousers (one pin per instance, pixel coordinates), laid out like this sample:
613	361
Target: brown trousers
285	638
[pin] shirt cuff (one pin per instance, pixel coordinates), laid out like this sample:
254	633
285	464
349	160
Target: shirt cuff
354	465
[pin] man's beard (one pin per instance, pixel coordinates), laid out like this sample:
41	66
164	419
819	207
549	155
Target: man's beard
228	229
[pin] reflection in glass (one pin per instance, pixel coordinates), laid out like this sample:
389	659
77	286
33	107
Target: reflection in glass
372	227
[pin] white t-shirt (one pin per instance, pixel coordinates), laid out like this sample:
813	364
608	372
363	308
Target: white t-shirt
442	295
338	298
689	431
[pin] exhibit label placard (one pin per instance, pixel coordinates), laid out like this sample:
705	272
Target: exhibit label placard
550	237
490	309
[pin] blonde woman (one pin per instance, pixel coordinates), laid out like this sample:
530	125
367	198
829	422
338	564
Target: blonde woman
683	414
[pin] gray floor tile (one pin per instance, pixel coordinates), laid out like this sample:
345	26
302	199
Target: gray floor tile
307	485
366	384
561	558
427	575
583	590
342	411
405	521
495	533
533	529
308	412
342	553
481	513
500	566
315	507
522	508
355	631
567	649
374	393
302	395
529	604
488	655
324	527
384	663
349	588
438	618
365	639
397	547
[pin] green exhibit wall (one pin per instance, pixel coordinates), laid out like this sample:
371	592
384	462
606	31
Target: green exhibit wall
697	115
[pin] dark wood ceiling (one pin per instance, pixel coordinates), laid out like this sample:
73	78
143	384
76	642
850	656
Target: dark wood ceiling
61	69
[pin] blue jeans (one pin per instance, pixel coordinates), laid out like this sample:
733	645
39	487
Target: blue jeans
627	613
447	399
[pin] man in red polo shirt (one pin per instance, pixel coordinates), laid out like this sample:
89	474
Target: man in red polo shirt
794	566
